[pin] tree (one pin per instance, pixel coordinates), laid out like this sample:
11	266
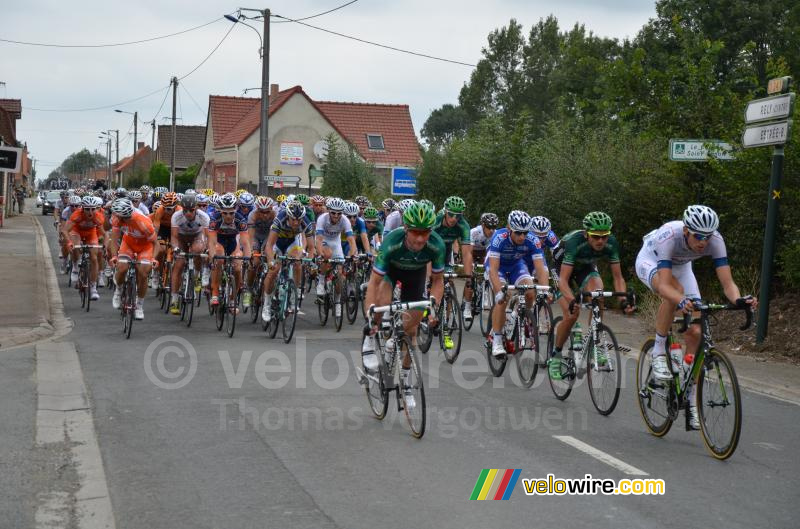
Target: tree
445	124
346	173
82	162
158	176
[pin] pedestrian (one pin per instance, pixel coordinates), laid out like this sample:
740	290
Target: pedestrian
20	196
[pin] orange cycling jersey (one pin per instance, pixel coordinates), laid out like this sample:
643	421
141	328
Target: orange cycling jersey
82	223
138	228
164	218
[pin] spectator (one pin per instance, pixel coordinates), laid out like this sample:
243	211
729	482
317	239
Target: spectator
19	194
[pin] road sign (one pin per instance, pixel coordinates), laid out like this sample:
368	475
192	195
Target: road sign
769	134
769	108
294	180
699	150
313	174
10	159
404	181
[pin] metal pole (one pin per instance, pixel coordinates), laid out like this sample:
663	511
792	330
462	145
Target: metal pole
153	136
768	257
264	132
135	141
116	156
172	155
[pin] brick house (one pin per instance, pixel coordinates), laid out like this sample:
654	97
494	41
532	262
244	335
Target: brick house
189	145
123	171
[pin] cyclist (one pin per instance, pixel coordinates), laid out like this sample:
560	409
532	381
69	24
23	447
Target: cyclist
189	233
664	265
374	226
480	236
453	227
351	211
506	263
317	203
162	221
387	206
227	235
138	203
73	203
363	203
404	257
245	204
330	227
578	266
139	240
289	223
259	223
543	230
85	226
394	219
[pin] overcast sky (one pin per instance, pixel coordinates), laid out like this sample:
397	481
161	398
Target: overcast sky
328	67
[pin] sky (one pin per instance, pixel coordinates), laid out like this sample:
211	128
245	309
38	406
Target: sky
328	67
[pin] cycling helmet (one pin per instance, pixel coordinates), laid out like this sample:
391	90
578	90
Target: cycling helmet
317	200
74	201
91	201
263	203
428	202
351	209
179	196
361	201
239	192
202	199
169	199
280	198
518	220
64	193
540	225
227	201
701	219
295	210
303	199
247	200
122	207
135	195
405	204
490	220
455	204
98	192
145	189
389	203
597	221
121	192
214	199
189	201
419	216
335	204
370	213
162	189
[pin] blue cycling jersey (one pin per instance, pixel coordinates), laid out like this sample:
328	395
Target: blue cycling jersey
509	253
227	229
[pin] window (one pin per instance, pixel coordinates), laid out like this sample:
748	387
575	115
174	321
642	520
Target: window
375	142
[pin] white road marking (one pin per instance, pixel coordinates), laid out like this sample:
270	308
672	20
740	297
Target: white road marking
608	459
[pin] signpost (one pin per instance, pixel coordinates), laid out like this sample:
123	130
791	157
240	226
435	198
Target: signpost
404	181
777	134
699	150
10	159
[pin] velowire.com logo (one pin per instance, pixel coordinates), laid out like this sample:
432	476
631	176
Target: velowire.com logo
495	484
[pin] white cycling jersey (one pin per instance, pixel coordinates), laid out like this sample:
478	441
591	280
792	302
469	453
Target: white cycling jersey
332	233
479	240
667	246
190	227
393	221
141	207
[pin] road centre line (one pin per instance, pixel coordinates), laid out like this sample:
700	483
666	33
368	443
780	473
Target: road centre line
608	459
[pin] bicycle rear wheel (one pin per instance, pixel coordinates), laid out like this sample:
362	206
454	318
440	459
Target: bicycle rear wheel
377	394
338	301
652	394
351	299
604	377
526	346
719	404
450	326
562	388
290	313
486	303
417	415
232	301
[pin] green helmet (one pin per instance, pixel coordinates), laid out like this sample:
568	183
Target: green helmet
419	216
597	221
455	204
303	199
428	202
370	213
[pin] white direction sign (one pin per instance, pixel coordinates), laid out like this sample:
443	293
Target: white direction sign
699	150
284	179
769	108
769	134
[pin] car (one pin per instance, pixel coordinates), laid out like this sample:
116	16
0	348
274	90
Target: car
40	198
49	202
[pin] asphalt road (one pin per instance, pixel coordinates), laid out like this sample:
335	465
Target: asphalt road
269	435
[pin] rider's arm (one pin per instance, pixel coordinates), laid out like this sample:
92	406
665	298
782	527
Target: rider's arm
494	274
541	271
318	240
212	244
173	237
352	240
563	282
728	285
272	238
244	240
365	242
665	288
437	286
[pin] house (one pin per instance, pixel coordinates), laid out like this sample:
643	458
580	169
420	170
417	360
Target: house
381	134
189	146
10	112
134	166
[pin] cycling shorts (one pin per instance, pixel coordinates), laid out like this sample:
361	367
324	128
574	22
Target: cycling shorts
89	236
412	282
136	249
647	267
512	273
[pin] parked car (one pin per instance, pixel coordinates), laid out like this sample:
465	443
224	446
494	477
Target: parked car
40	198
49	202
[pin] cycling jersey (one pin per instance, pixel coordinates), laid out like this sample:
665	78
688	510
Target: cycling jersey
501	247
459	232
395	254
578	252
479	239
192	227
393	221
227	229
143	208
66	212
281	226
376	229
668	246
330	232
260	225
162	217
138	231
87	227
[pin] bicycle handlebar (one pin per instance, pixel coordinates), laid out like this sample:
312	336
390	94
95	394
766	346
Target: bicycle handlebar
630	296
401	306
524	288
708	308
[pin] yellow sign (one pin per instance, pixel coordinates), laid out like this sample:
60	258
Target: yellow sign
278	172
779	85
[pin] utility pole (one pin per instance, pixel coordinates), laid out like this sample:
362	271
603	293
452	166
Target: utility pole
135	142
172	154
116	150
264	133
153	135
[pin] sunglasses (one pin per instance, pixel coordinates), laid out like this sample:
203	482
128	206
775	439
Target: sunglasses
418	232
169	208
370	221
700	236
89	210
454	215
335	213
189	210
352	217
525	233
228	213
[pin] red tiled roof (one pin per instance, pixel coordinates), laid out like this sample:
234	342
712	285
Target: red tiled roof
250	122
393	122
225	112
128	160
12	106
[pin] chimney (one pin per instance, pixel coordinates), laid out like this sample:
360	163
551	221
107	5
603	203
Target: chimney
140	145
273	91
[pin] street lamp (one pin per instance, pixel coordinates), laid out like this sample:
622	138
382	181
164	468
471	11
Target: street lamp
116	149
264	53
135	138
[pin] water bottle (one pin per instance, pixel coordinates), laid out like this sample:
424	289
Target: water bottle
676	357
511	320
688	360
577	344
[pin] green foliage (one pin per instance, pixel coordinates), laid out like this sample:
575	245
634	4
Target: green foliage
445	124
346	174
158	175
82	161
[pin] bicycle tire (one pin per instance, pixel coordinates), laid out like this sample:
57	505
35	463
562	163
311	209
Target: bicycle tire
485	315
272	325
351	299
417	417
336	293
527	364
258	298
496	365
604	400
130	305
290	318
467	323
562	388
452	325
424	334
81	284
648	396
544	328
190	302
377	394
710	381
69	270
221	307
230	327
323	307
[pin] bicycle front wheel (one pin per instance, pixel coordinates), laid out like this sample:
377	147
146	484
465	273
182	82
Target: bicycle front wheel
323	306
450	331
414	402
232	307
604	370
496	364
271	326
129	305
290	313
377	394
652	394
719	403
486	301
337	304
526	345
563	387
351	299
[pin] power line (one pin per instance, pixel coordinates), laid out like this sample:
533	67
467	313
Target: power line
166	93
210	54
183	85
418	54
314	16
50	45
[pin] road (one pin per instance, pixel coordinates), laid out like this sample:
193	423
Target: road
269	435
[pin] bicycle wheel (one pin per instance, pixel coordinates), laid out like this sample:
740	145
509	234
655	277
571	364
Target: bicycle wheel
323	306
604	378
424	334
271	326
188	303
416	415
258	298
562	388
450	325
351	299
221	308
526	347
652	394
719	404
485	315
83	288
130	305
337	303
233	301
290	313
544	331
377	394
69	270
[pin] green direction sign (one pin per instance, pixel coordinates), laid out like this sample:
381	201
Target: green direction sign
767	134
313	174
769	108
681	150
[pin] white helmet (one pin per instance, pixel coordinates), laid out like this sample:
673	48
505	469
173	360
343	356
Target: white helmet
519	220
122	207
227	201
540	225
91	201
334	204
74	201
405	204
350	208
701	219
